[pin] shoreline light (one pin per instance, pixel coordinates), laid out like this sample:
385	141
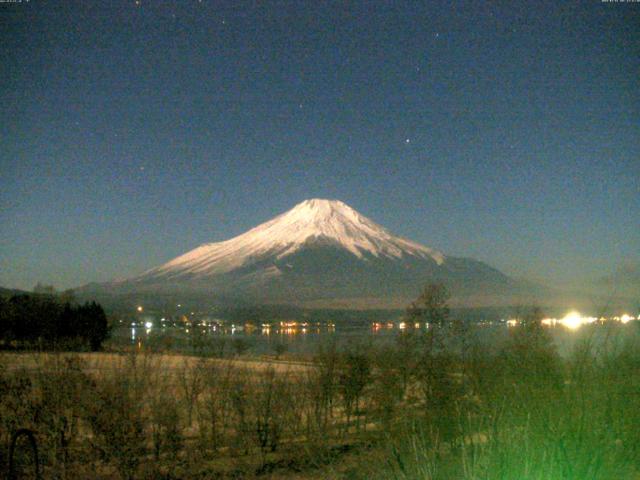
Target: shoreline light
626	318
573	320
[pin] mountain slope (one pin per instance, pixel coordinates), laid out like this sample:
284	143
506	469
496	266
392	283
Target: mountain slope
321	250
323	221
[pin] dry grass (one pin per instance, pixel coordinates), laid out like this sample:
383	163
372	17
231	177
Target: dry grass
105	361
518	411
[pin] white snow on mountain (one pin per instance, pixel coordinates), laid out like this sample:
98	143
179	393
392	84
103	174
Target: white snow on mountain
330	221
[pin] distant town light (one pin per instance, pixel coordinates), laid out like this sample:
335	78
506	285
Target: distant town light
148	325
572	320
139	308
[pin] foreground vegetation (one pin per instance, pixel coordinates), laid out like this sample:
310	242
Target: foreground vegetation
435	405
413	410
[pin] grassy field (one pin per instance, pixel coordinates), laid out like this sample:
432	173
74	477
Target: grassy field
430	406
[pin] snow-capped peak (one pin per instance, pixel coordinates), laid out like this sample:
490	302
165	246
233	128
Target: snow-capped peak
328	220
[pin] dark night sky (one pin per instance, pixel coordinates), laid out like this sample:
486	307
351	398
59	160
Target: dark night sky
504	131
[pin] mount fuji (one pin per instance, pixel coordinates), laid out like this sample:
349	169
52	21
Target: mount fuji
319	253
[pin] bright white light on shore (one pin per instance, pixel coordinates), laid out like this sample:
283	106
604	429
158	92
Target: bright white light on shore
148	325
572	320
626	318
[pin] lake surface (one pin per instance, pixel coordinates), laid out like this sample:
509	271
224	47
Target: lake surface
301	339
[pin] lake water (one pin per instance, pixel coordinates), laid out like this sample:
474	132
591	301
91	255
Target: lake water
300	339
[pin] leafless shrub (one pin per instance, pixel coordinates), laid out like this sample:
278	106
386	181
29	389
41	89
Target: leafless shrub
115	410
388	384
240	390
271	406
404	357
62	383
191	381
280	348
164	419
218	346
241	346
320	387
353	376
215	404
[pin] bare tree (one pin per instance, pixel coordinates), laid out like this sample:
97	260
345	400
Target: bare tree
431	306
192	384
355	374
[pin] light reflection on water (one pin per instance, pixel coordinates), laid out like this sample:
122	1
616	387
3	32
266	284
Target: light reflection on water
306	338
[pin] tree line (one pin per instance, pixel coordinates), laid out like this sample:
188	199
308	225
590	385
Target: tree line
29	321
